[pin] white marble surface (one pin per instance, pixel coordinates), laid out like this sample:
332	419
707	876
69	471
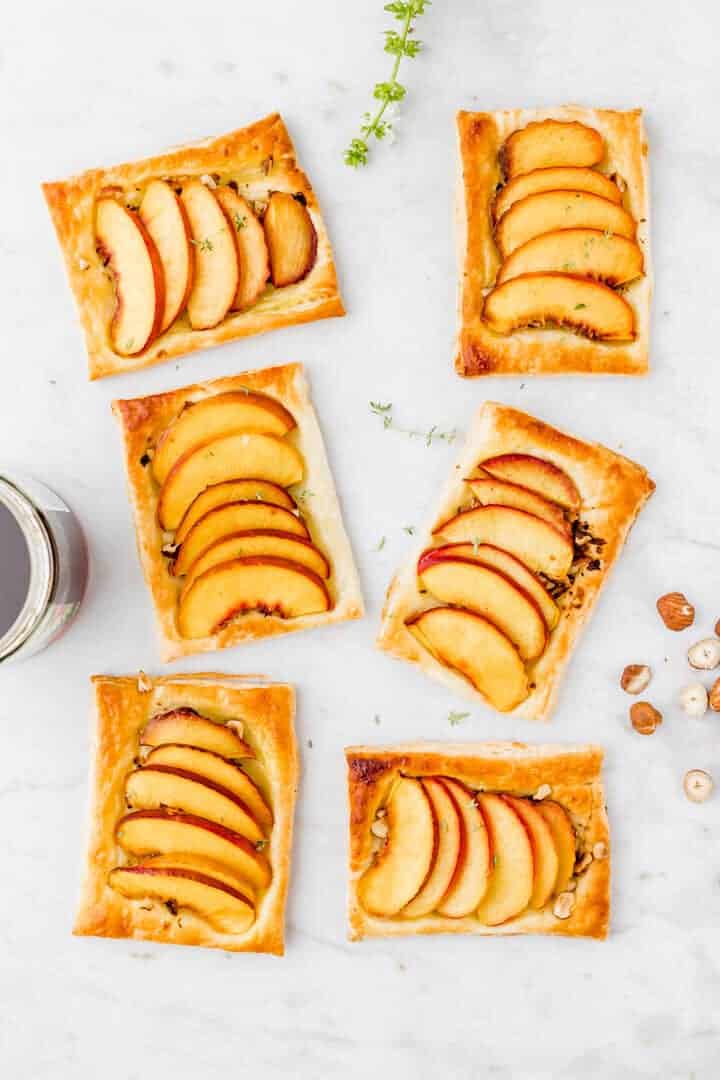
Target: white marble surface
84	84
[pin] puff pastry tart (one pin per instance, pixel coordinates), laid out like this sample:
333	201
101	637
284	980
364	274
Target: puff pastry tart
202	244
527	529
192	811
238	524
554	241
485	838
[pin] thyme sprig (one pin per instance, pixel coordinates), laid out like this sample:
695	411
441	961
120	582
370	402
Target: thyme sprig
385	412
398	44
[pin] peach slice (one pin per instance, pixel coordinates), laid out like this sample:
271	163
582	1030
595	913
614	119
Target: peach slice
272	586
229	457
537	474
217	271
545	857
203	866
212	417
511	880
606	257
222	906
166	832
564	838
280	545
398	873
125	243
559	301
164	217
226	521
155	786
213	767
509	566
232	491
534	541
187	727
479	588
291	239
470	880
560	178
551	210
544	144
449	841
252	248
475	648
489	491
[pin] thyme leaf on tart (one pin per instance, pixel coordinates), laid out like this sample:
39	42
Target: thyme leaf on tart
455	718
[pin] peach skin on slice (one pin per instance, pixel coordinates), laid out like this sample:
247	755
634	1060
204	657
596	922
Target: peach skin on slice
479	588
533	541
125	243
560	178
164	217
489	491
474	647
203	866
229	457
564	837
559	301
470	880
537	474
291	239
222	906
544	144
606	257
217	272
511	880
231	491
551	210
449	842
235	517
221	414
545	857
401	867
166	832
252	248
273	586
187	727
280	545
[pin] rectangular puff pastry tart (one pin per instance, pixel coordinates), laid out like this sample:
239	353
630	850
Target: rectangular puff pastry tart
200	245
238	525
477	838
554	242
192	803
494	597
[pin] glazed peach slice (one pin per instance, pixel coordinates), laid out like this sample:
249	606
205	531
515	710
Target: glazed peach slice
232	491
474	647
479	588
155	786
544	144
217	272
511	880
220	904
212	417
560	178
538	475
559	301
551	210
401	867
601	256
251	247
229	457
213	767
536	542
225	521
165	219
449	843
291	238
135	265
272	586
564	838
167	832
203	866
489	491
187	727
470	880
545	857
280	545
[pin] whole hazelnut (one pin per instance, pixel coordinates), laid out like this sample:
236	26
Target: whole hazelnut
714	696
698	785
676	611
704	655
644	717
635	678
693	699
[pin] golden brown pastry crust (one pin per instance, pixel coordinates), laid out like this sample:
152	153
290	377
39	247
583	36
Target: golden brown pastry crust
543	352
260	158
143	420
572	773
613	490
122	708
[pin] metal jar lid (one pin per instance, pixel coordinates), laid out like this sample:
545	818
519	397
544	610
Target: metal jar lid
42	567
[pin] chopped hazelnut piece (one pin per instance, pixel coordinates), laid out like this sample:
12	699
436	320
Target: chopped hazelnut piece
698	785
635	678
563	906
704	655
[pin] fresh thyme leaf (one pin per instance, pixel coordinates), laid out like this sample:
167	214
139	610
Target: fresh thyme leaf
455	718
304	494
579	307
409	529
475	544
381	543
377	719
239	222
385	411
203	245
129	344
